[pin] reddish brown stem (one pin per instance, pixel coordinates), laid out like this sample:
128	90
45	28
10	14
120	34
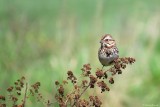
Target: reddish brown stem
81	94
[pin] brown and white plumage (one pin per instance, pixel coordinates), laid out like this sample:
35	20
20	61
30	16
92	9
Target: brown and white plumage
108	51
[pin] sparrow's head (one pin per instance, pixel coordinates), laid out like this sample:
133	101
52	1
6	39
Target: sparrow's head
107	41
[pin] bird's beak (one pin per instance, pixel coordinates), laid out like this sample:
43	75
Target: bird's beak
112	40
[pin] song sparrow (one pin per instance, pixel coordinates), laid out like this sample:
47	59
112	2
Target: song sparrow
108	51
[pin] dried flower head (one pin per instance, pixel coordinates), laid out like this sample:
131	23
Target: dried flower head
86	70
93	80
99	73
111	80
10	89
71	77
61	90
103	86
95	101
14	99
56	83
2	98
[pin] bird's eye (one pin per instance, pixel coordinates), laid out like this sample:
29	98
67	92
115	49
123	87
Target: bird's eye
106	39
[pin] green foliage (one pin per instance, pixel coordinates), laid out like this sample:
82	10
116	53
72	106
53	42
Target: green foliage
41	39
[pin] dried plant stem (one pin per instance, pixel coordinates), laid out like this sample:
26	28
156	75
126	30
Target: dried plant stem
109	69
84	90
81	94
25	95
68	98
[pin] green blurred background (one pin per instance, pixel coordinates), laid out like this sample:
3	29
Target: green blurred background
42	39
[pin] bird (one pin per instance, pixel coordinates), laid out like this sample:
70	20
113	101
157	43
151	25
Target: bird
108	51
